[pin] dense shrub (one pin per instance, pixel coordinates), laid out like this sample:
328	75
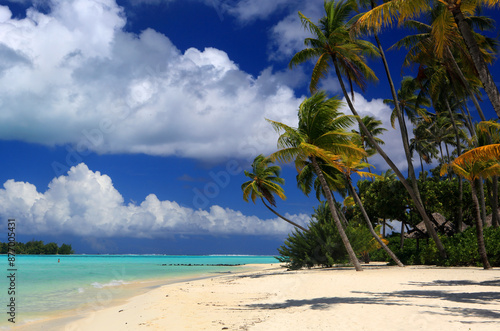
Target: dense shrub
321	245
461	248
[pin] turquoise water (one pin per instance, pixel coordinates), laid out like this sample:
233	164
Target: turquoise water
45	286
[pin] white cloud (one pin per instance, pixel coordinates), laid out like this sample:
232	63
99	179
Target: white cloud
74	73
85	203
249	10
287	36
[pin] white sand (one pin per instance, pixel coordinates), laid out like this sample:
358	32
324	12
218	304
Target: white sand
271	298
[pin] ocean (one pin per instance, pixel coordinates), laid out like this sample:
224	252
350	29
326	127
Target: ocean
48	285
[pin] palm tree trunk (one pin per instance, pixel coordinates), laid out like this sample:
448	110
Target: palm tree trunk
369	224
441	150
413	195
481	67
491	196
401	121
482	200
352	256
447	151
479	230
459	151
402	241
421	164
282	217
494	203
466	84
341	214
460	198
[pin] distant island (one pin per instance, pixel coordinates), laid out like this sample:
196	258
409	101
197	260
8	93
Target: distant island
37	247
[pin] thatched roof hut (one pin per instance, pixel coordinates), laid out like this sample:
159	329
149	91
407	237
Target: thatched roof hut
440	224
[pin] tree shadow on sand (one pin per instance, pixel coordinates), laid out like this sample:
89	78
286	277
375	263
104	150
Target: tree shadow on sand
401	298
494	282
323	303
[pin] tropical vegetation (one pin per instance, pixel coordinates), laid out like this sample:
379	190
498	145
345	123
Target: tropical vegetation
36	247
448	51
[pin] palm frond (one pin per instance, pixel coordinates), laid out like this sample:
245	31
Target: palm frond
388	12
483	153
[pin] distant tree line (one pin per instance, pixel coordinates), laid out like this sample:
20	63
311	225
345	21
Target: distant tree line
37	247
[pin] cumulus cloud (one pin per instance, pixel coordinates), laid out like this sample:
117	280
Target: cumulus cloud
73	75
85	203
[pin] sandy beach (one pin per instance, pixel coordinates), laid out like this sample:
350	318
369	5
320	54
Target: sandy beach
271	298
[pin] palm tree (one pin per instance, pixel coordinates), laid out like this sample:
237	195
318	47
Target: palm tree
402	10
410	103
440	132
333	45
422	144
352	164
442	41
306	180
476	164
488	132
265	183
375	127
321	135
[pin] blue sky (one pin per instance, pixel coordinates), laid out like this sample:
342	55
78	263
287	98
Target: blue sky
126	125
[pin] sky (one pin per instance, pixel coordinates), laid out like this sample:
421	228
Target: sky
125	126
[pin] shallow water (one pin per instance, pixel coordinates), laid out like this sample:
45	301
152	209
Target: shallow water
44	286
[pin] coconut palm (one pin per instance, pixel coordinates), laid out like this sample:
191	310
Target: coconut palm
410	103
375	127
265	183
307	180
352	164
441	133
443	41
414	192
476	164
422	144
332	45
488	132
321	135
402	10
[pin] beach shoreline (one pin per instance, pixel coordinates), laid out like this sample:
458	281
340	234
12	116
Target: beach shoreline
115	296
272	298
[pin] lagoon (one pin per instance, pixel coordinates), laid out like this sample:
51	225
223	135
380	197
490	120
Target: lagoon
48	285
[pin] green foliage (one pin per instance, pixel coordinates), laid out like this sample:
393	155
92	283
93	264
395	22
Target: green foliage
384	199
66	250
461	248
322	246
37	247
389	199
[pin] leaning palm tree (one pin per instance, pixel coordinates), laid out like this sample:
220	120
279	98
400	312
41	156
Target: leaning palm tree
351	164
442	41
402	10
265	183
476	164
320	135
307	180
332	45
